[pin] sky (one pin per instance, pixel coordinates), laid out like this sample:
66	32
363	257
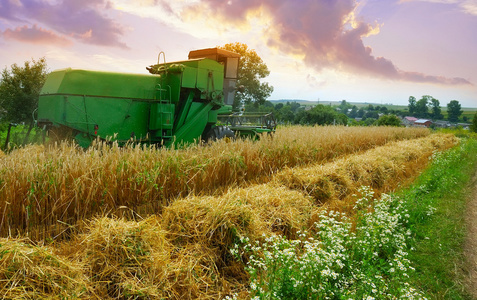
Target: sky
375	51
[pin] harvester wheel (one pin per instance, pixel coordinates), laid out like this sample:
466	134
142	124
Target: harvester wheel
218	133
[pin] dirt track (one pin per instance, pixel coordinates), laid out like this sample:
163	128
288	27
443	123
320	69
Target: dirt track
470	249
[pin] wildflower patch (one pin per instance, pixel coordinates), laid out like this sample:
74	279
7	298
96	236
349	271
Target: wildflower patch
337	260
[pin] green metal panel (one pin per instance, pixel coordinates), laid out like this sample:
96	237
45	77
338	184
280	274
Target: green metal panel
195	108
124	118
189	78
184	108
168	87
162	116
195	124
212	117
106	84
51	108
53	83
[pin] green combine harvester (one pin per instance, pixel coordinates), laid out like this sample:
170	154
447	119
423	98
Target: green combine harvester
180	103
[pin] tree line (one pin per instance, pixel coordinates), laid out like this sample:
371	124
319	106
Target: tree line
429	107
344	114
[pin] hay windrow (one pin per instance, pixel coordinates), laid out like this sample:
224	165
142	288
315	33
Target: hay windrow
276	208
29	271
125	257
382	168
204	228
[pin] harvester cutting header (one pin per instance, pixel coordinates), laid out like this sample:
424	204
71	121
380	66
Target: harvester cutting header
180	102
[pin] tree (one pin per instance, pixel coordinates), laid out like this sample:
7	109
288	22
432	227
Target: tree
422	110
453	111
473	126
320	115
412	105
371	114
436	112
344	106
20	88
285	114
388	120
361	112
354	112
251	70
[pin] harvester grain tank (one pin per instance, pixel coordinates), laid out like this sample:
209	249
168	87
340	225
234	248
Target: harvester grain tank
177	103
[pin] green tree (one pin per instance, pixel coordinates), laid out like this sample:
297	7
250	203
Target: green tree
388	120
453	111
473	126
20	88
361	112
354	112
371	114
320	115
344	106
422	110
251	70
285	114
412	105
436	112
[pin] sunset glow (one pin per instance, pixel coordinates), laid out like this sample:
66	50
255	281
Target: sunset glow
363	51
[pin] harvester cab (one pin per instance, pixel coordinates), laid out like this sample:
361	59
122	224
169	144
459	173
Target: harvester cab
179	103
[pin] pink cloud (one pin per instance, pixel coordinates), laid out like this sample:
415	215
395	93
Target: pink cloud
318	30
84	20
35	35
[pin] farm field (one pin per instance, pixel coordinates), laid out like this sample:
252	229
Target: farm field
143	223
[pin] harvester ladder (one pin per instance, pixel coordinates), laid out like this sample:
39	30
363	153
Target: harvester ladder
167	100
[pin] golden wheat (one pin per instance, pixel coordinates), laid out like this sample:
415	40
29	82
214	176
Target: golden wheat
44	188
183	253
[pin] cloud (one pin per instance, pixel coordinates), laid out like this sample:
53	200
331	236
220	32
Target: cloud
82	20
8	9
467	6
326	33
35	35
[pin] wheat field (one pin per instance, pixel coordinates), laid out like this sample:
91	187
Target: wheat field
181	251
45	191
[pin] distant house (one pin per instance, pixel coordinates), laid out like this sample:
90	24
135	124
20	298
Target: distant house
423	123
409	121
442	124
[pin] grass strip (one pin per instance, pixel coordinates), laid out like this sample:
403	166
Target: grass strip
436	203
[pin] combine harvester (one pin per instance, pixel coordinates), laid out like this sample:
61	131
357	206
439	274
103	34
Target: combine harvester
181	102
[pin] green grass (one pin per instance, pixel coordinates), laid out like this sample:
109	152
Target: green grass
439	236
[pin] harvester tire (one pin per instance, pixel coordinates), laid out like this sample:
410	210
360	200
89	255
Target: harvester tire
219	133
